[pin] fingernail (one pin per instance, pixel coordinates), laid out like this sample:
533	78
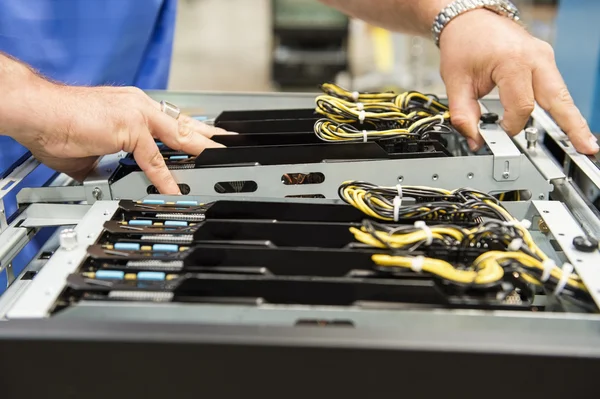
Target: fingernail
594	144
473	146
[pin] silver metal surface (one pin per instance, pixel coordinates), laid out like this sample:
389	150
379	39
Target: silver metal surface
97	181
211	104
564	229
31	195
449	173
40	296
14	291
539	156
585	213
507	157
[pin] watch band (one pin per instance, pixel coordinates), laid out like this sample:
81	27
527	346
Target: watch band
458	7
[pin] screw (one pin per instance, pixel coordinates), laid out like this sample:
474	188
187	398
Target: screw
400	178
543	227
97	193
541	196
470	176
531	135
434	177
506	175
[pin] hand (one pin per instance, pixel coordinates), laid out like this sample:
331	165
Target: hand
82	123
480	50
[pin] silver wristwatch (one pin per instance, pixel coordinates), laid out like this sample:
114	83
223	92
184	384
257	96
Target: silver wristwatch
503	7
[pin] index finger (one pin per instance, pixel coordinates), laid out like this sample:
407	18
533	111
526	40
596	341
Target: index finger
150	160
552	94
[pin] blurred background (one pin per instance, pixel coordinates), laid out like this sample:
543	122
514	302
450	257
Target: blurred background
293	45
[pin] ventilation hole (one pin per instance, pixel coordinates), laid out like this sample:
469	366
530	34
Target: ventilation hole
234	187
561	234
8	184
184	188
295	179
306	196
546	211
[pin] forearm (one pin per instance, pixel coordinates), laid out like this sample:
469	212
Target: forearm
23	99
410	16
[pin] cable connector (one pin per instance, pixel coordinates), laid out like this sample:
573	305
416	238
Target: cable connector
548	265
567	269
417	264
428	233
515	245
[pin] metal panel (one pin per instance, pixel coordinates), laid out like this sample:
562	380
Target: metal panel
449	173
564	229
43	291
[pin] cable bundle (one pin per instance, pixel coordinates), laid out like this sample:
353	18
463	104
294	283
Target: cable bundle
508	244
369	116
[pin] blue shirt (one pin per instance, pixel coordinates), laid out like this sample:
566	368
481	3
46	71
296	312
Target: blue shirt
92	42
88	42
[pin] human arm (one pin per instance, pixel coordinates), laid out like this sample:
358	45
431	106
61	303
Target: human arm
68	127
481	50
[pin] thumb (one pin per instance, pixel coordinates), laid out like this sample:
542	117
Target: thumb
464	110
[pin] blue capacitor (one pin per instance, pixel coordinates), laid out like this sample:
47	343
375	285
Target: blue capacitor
151	276
175	223
140	222
187	203
165	247
110	274
176	157
153	202
127	246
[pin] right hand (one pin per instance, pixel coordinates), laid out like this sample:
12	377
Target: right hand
77	125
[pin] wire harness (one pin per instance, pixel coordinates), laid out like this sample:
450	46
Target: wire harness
353	116
504	244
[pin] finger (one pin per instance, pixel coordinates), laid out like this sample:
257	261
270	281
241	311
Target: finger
202	128
179	137
515	86
552	94
464	109
150	160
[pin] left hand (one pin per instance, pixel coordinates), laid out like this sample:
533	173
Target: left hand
481	50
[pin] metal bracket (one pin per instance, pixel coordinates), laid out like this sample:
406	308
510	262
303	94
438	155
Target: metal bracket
97	185
564	228
51	195
507	157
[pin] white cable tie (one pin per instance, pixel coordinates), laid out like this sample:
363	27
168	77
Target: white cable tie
548	265
399	188
428	233
429	102
365	136
360	106
397	204
361	116
567	269
515	245
417	264
526	224
355	95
